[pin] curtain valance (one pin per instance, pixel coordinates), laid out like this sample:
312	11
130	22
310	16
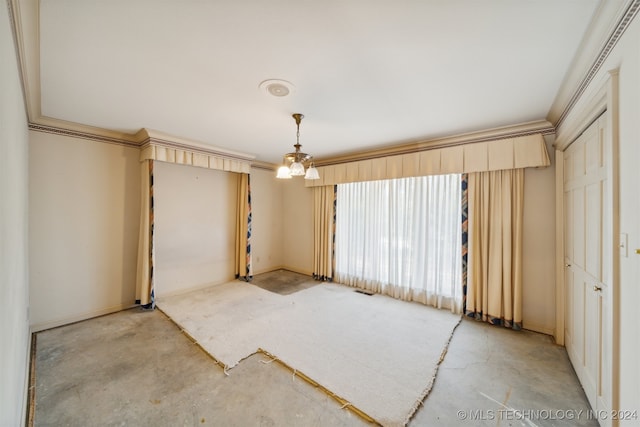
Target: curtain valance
509	153
181	156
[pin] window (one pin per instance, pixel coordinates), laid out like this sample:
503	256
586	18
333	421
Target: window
402	237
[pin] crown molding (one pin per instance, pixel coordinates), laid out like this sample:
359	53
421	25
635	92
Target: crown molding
258	164
141	139
609	23
75	130
587	112
538	127
12	9
25	19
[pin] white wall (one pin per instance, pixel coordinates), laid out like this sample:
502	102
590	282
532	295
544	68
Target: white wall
538	248
84	217
626	57
14	278
195	227
267	235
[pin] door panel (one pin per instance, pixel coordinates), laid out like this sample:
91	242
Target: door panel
587	317
568	230
593	231
592	342
578	222
578	320
569	292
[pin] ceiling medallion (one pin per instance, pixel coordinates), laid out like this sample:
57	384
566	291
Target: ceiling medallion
277	88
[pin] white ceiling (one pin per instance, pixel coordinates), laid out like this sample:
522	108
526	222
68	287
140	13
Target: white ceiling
368	73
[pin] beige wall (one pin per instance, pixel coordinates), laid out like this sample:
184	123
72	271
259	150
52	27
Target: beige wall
267	235
195	233
83	228
297	211
195	222
538	248
14	277
282	223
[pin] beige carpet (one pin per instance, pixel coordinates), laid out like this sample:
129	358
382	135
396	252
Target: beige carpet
379	354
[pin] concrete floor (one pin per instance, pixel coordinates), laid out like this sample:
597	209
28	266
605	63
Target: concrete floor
136	368
493	376
283	282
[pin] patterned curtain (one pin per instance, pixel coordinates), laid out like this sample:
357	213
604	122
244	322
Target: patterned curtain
494	286
464	208
244	269
324	232
145	292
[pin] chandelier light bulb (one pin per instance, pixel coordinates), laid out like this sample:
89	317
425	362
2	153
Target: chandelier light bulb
312	173
297	169
283	173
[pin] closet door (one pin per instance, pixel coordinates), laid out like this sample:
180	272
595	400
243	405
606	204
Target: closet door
588	326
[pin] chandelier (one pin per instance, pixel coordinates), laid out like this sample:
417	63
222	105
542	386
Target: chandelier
297	159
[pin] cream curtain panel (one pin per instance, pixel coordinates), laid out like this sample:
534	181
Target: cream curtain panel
509	153
145	293
244	267
324	222
494	282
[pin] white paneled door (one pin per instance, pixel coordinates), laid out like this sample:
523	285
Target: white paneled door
587	260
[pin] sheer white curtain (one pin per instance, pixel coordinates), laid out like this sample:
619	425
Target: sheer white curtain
402	237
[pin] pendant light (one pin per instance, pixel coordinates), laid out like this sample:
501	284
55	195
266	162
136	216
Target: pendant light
297	159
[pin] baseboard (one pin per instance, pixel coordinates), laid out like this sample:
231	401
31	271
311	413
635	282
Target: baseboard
269	270
298	270
539	329
191	288
208	285
284	267
28	406
38	327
